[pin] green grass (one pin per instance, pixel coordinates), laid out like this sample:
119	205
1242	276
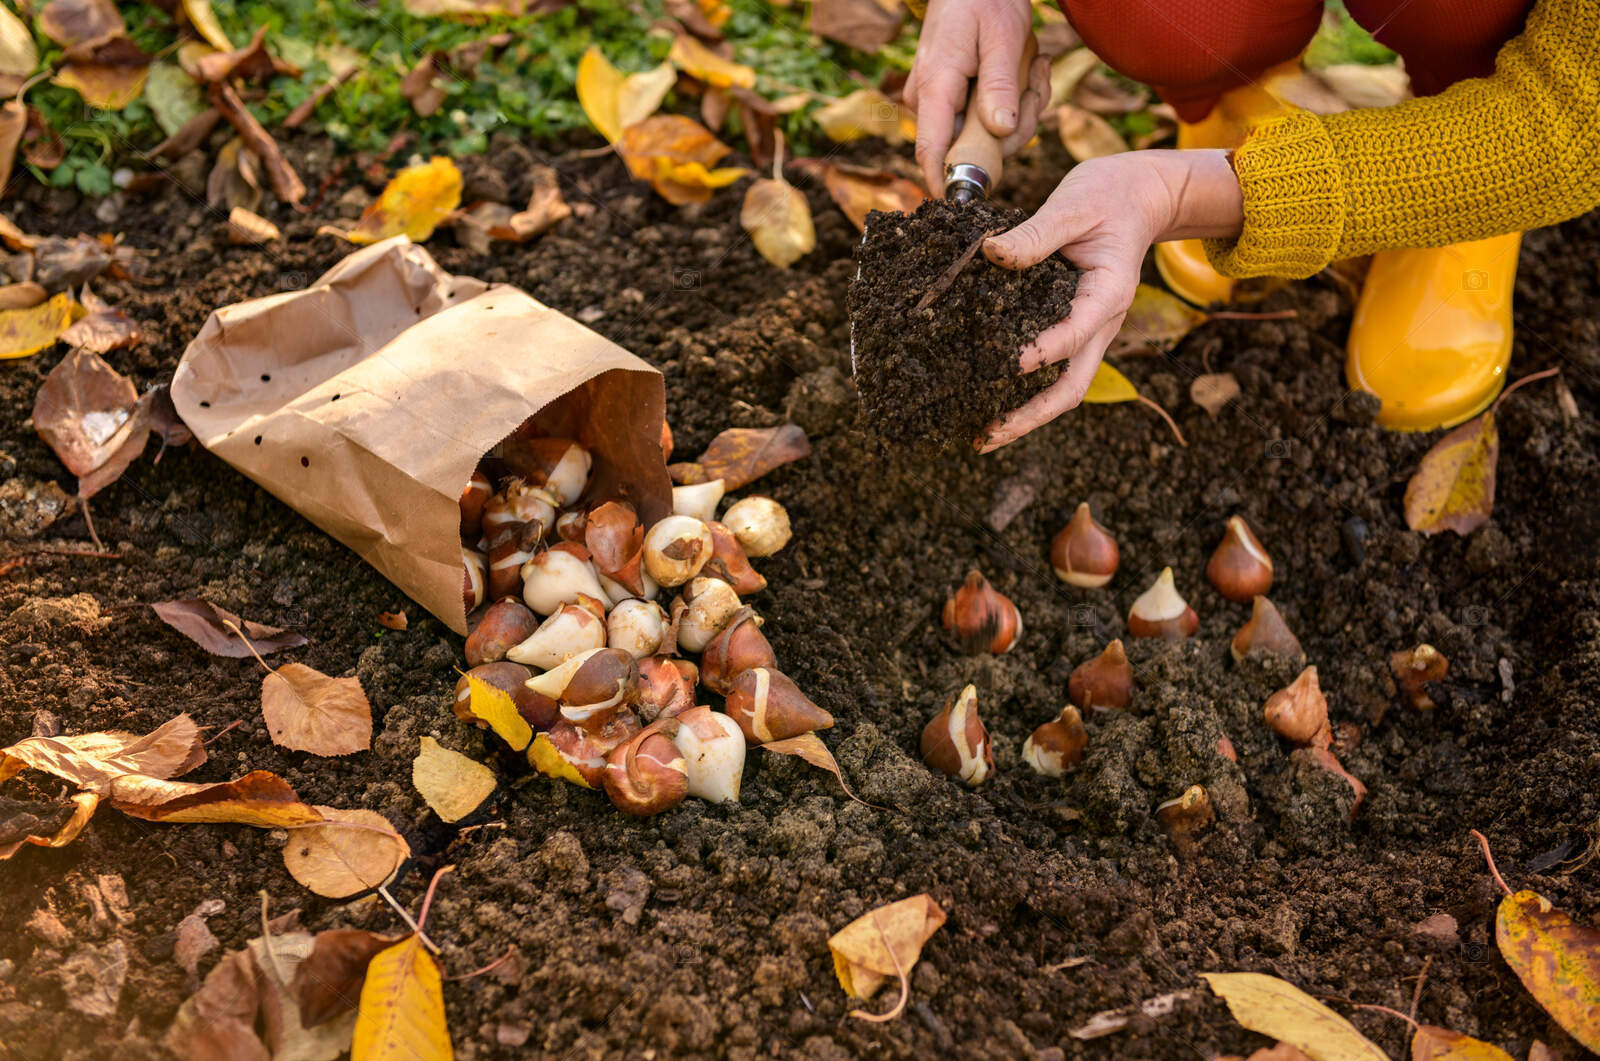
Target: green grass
1345	42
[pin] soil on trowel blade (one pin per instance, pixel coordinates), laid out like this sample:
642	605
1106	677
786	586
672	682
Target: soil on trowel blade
936	374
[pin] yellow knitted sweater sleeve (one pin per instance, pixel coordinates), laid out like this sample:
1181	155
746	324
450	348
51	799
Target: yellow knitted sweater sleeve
1491	155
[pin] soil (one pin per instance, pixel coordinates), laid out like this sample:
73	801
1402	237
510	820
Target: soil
702	932
937	353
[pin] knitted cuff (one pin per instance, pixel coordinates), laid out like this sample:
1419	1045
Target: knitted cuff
1294	201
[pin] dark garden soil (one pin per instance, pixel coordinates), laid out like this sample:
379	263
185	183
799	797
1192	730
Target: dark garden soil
701	933
938	331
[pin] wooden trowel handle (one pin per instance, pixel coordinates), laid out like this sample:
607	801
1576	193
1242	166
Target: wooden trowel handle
976	146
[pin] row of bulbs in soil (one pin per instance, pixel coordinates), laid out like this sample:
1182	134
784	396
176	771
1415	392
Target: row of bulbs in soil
575	636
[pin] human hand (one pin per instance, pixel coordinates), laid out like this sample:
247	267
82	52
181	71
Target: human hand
1103	217
965	39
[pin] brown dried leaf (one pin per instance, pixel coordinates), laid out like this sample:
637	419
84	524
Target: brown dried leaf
165	422
1098	93
1085	134
329	981
260	798
92	761
104	329
13	122
741	455
205	624
809	746
1213	390
859	192
218	1022
250	63
865	25
351	851
424	85
286	183
307	711
393	620
24	295
1453	487
44	825
778	218
78	24
245	227
883	945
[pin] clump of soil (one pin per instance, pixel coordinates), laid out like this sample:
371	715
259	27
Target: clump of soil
936	373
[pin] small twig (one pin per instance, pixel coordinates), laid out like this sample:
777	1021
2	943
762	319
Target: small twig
948	277
407	918
218	734
311	102
488	968
1246	315
1167	417
905	981
1532	377
1422	978
427	900
1068	963
1489	858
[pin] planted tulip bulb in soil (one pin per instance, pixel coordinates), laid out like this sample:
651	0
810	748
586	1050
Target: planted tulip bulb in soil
937	355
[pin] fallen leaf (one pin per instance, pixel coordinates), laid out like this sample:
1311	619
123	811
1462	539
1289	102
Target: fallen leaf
173	97
1277	1008
165	422
703	64
1433	1043
194	938
1110	1021
278	957
18	54
205	624
865	25
1364	85
108	86
104	328
1155	321
1213	390
247	228
495	707
59	264
1109	387
1098	93
93	760
1085	134
218	1022
883	945
858	192
1453	487
424	85
613	100
741	455
24	332
413	203
809	747
449	782
56	831
251	63
205	23
1557	960
393	620
42	146
778	218
286	183
675	154
546	209
77	25
329	981
402	1008
13	123
260	798
307	711
543	757
91	416
1066	70
23	295
351	851
863	113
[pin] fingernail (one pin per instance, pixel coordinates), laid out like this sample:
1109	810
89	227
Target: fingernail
1005	116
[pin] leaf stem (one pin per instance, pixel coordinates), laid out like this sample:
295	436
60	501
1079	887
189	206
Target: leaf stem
427	900
905	981
1385	1009
777	155
240	635
1489	858
491	967
1152	403
1533	377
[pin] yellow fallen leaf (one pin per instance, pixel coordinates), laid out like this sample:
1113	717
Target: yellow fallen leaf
93	760
1453	487
83	808
1066	70
1433	1043
1277	1008
451	783
703	64
1155	321
27	331
1557	960
778	218
882	945
1085	134
675	154
18	54
543	757
1109	387
348	851
495	707
108	86
260	798
863	113
205	23
614	100
402	1008
413	204
307	711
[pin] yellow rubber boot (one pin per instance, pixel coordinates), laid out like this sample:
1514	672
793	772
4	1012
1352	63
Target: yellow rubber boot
1432	331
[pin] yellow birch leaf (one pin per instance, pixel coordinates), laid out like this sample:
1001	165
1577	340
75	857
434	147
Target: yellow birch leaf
24	332
1453	487
108	86
495	707
543	757
413	204
205	23
703	64
18	54
449	782
778	218
883	945
1277	1008
1155	321
1433	1043
614	100
1557	960
1109	387
863	113
401	1017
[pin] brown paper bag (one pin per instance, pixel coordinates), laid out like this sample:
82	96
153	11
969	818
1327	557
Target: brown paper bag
365	401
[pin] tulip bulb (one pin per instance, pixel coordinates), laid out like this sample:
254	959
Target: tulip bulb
540	712
676	549
769	706
474	578
637	627
571	525
1104	683
711	605
1161	612
602	686
698	500
618	592
473	498
517	504
557	576
505	624
559	465
1083	553
579	755
1414	669
982	618
666	687
1240	569
615	540
760	524
1181	818
713	749
1299	711
739	647
729	563
573	628
1266	633
646	775
955	742
512	548
1056	747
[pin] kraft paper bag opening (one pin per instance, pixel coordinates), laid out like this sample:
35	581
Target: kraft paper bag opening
366	400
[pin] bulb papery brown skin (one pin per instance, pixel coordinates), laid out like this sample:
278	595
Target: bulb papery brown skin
711	604
637	627
473	498
981	617
1185	816
560	575
1299	712
504	624
573	628
729	563
1057	746
740	646
1240	569
955	742
614	538
769	706
601	687
572	525
666	686
474	578
516	504
618	592
666	442
760	525
1161	612
713	750
699	500
1104	683
646	775
1083	553
1266	633
540	712
675	549
511	549
559	465
1414	668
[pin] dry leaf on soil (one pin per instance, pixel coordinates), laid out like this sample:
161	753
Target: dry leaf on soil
413	204
1066	70
251	63
1277	1008
110	86
543	757
92	418
1365	85
1154	322
354	851
883	945
741	455
809	746
53	830
218	1022
495	708
308	711
286	183
206	625
205	23
13	123
863	113
778	218
1110	387
246	227
260	798
81	25
703	64
278	957
614	100
676	155
22	295
104	329
92	761
860	191
865	25
1433	1043
1213	390
27	331
1085	134
329	981
449	782
18	58
1453	487
1556	958
1098	93
402	1008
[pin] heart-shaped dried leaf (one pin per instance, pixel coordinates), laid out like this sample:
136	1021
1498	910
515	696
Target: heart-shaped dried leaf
218	1022
1453	487
85	412
307	711
1557	960
93	760
413	203
205	624
260	798
1277	1008
703	64
449	782
778	218
613	100
741	455
350	851
863	113
1433	1043
1213	390
402	1008
329	981
495	708
883	945
24	332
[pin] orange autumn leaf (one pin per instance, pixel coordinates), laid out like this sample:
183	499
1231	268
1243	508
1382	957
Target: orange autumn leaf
613	100
1433	1043
1453	487
345	852
858	192
741	455
809	747
1556	958
104	329
413	204
703	64
259	798
307	711
881	946
675	154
